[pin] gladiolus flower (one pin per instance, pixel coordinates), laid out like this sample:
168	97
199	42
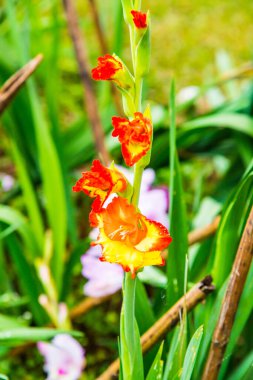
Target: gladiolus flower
107	68
135	136
110	67
139	19
128	238
99	183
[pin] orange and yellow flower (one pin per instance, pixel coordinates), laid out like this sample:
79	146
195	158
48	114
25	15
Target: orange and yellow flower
107	68
128	238
110	67
139	19
99	183
135	136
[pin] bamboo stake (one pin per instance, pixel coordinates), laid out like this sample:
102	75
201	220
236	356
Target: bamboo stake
17	80
230	302
89	95
191	299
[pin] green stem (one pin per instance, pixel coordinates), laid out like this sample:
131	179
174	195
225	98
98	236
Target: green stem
129	311
137	5
132	44
138	93
138	171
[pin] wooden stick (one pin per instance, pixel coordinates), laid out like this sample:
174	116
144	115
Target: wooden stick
230	302
192	298
86	305
16	81
202	233
89	95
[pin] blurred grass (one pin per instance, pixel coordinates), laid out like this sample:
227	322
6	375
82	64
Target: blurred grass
186	36
214	148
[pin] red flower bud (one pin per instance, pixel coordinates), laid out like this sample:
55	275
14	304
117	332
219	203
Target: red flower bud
139	19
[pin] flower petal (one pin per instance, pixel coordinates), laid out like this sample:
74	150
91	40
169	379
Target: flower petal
107	67
135	136
128	238
139	19
99	183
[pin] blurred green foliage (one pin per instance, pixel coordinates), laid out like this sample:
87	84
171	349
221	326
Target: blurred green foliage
46	141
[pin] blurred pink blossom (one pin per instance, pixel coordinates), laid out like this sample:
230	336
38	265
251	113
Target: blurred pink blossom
64	358
6	182
105	278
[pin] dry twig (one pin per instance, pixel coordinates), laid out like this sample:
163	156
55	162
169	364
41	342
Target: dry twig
202	233
89	95
230	302
192	298
86	305
16	81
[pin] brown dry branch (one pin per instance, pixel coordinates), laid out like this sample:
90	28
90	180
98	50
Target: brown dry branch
191	299
16	81
200	234
86	305
89	95
230	302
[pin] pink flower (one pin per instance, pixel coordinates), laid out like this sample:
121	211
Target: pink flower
64	358
105	278
6	182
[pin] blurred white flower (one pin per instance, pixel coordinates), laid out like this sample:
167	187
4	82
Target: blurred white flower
6	182
64	358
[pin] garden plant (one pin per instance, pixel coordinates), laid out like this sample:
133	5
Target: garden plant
126	226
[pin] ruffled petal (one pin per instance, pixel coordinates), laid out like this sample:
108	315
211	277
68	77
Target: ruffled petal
139	19
135	136
128	238
99	183
107	67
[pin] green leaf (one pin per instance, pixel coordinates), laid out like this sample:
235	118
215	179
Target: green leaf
191	354
156	370
209	318
3	377
154	277
175	359
131	353
228	236
7	322
245	308
238	122
243	369
143	307
53	184
27	277
35	216
32	334
178	225
18	223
